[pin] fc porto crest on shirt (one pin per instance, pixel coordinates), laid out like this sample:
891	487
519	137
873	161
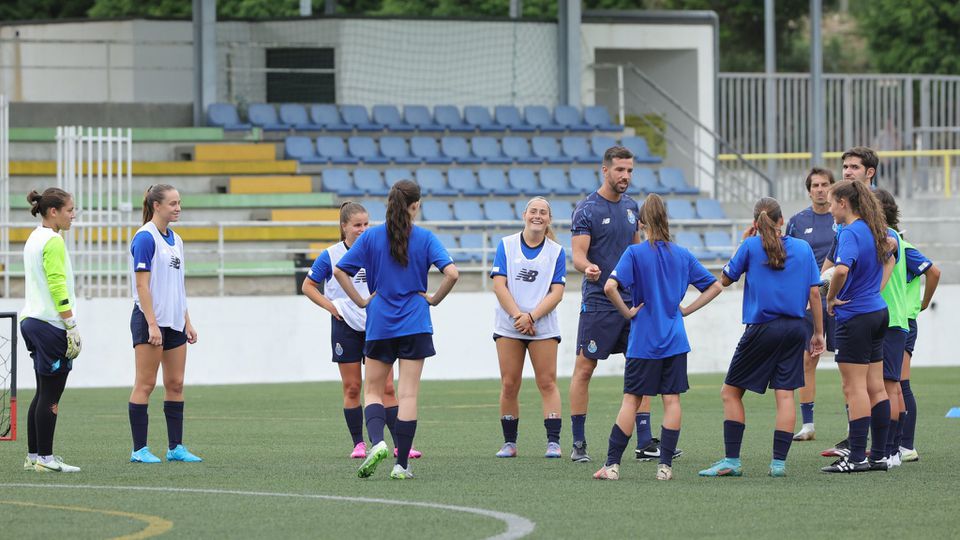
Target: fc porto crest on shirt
631	218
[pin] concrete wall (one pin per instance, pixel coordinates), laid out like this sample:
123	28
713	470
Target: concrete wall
285	339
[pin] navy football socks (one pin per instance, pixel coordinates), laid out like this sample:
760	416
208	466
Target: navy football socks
732	438
354	418
668	444
618	443
509	424
910	422
781	444
879	427
806	411
552	426
644	435
390	414
376	419
173	411
138	424
578	422
857	438
406	430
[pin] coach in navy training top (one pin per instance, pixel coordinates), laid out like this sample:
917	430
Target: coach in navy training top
612	226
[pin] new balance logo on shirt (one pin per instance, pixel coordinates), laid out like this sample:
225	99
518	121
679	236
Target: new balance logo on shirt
527	275
175	262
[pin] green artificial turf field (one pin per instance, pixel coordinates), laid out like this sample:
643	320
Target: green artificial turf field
273	451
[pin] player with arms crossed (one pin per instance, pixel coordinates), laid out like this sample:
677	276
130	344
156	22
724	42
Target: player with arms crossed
783	279
529	274
347	323
396	256
160	324
48	323
658	273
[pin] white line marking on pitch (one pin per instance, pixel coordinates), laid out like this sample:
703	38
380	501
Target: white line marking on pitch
517	526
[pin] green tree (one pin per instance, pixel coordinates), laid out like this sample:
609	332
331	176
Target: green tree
911	36
26	10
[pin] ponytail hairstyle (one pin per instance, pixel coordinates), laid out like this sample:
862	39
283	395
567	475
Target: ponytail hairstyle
52	197
399	222
863	203
549	231
347	210
891	212
154	194
653	216
767	214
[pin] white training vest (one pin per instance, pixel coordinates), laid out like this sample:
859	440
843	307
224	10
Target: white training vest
39	303
353	315
528	282
166	279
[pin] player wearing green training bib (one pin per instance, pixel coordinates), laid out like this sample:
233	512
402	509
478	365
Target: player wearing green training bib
47	323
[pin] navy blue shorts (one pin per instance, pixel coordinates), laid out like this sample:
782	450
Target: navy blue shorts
47	345
412	347
893	344
141	332
769	355
860	338
602	333
345	342
911	337
829	328
649	377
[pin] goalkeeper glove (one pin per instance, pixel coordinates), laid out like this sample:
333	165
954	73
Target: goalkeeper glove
73	338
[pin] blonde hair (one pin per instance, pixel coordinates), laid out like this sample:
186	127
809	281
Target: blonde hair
549	231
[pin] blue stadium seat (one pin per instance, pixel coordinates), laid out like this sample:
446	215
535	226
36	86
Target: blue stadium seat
561	210
672	179
335	151
565	239
376	210
468	210
641	152
419	116
548	149
569	117
456	148
448	117
599	118
680	209
365	148
488	149
392	176
719	243
525	181
464	181
370	182
436	211
329	117
498	210
519	207
578	149
472	244
389	116
450	243
600	144
509	116
296	115
540	117
356	116
710	209
479	117
432	183
395	149
495	182
584	180
301	149
338	181
225	115
427	149
694	243
645	181
264	116
518	149
555	181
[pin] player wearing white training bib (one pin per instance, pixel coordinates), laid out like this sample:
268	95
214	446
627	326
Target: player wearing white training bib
347	326
529	274
160	324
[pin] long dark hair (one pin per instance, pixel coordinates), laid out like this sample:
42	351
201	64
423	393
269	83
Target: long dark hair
865	204
767	213
347	210
52	197
154	194
399	221
891	212
653	216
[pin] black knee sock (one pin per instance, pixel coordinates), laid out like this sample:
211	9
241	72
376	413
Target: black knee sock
390	413
45	414
553	429
32	421
509	425
668	444
879	426
173	411
732	438
406	430
781	444
354	418
910	421
375	422
138	424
